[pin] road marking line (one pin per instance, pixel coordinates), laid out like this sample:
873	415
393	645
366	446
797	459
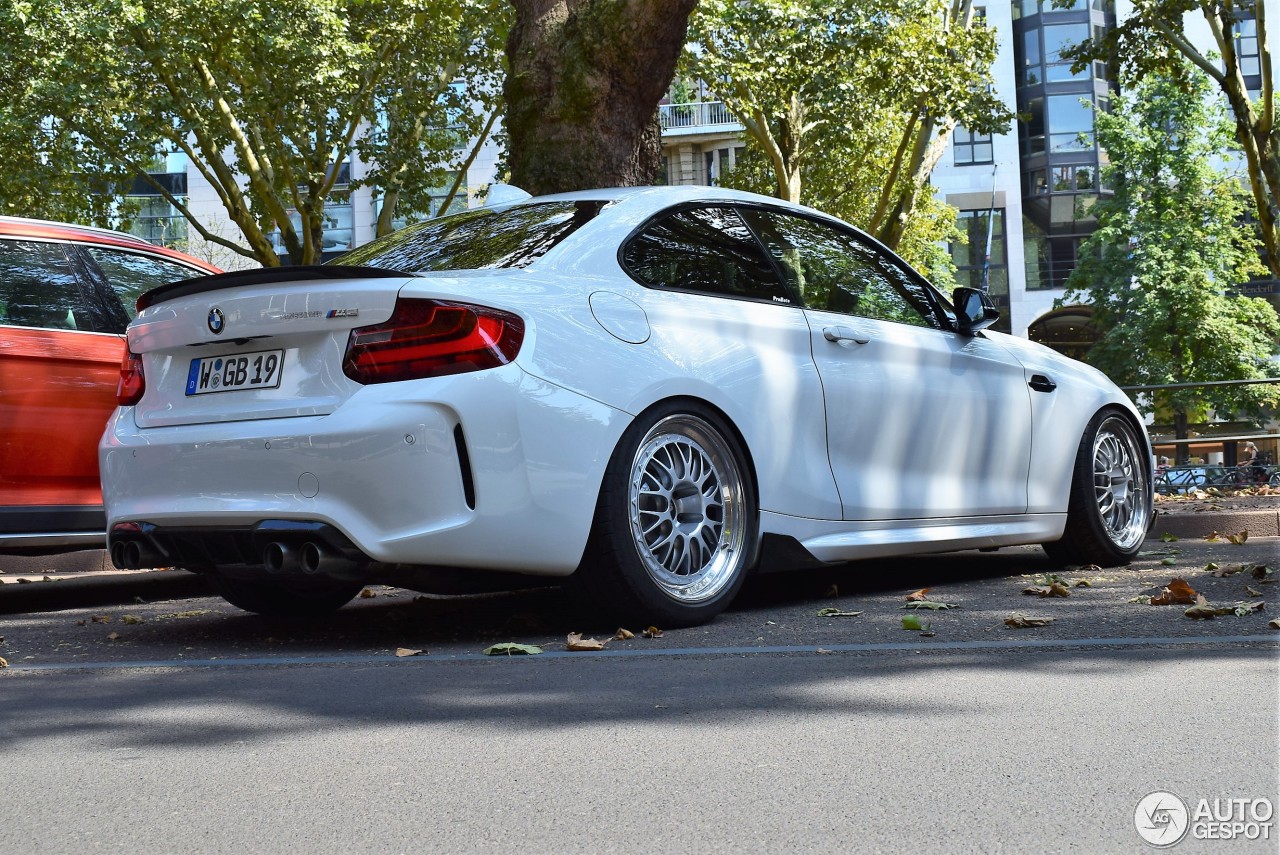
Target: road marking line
390	659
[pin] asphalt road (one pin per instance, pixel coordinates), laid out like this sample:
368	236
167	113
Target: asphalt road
199	728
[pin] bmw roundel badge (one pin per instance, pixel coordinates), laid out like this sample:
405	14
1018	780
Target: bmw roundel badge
217	321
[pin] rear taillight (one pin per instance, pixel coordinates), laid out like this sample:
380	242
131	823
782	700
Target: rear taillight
430	338
132	383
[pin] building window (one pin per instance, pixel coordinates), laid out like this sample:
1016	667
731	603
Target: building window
1070	121
971	148
1245	31
1049	259
983	262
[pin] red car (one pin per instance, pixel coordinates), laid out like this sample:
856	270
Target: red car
66	294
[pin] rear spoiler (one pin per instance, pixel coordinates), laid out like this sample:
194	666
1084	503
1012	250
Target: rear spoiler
263	276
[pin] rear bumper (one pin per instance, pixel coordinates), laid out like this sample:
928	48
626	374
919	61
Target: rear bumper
495	470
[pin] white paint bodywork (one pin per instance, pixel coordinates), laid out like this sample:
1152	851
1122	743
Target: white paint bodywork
918	440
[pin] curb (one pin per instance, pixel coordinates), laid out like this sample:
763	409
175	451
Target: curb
101	590
1257	523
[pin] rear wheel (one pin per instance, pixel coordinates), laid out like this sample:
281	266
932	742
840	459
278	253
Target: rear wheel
675	528
1110	503
285	599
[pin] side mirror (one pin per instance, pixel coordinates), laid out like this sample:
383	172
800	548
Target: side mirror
974	310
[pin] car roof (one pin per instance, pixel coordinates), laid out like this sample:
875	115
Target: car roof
50	230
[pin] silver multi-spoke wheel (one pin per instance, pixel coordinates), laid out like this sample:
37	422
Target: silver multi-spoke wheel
1119	487
688	509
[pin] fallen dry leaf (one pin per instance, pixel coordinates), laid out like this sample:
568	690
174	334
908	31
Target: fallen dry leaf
1057	589
187	614
1202	610
575	641
1252	591
1091	568
511	648
652	632
1178	593
931	605
1261	572
4	663
367	594
406	651
824	651
1275	624
917	596
81	622
114	636
623	634
1023	622
101	618
1084	583
1224	572
1238	539
928	633
1213	537
1167	538
1243	609
131	619
836	613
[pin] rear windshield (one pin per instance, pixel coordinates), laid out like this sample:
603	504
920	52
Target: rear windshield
477	239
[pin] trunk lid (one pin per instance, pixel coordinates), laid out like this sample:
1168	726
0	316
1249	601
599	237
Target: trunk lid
260	344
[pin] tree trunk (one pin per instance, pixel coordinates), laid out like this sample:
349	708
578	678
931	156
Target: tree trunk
582	90
1182	456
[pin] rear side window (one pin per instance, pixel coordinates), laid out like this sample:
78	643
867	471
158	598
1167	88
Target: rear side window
38	288
477	239
130	273
704	250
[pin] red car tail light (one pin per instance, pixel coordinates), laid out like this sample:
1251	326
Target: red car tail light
132	382
431	338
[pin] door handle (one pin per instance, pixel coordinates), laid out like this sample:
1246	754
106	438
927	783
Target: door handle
1041	383
844	335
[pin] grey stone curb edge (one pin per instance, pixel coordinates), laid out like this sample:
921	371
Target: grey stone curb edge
1257	523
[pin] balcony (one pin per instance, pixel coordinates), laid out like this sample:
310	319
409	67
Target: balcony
699	117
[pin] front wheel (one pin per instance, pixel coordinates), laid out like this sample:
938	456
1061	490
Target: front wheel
285	599
1110	503
675	528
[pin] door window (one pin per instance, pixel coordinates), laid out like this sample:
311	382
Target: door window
707	251
38	288
835	271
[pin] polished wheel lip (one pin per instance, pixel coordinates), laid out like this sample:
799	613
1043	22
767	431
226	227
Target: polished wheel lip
1119	489
687	509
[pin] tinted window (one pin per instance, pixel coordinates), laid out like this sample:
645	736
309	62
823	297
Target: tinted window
38	289
707	250
129	274
834	271
478	239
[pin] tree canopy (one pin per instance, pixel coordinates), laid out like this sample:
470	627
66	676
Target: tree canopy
1169	247
1152	40
266	100
849	106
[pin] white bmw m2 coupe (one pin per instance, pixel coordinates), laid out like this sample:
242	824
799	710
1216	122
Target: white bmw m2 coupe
645	393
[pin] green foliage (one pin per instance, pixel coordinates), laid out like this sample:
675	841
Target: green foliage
1168	246
848	106
1151	40
263	98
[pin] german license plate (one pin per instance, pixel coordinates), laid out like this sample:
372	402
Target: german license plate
260	370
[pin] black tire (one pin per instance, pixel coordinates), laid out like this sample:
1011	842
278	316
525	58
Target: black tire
1110	506
274	598
684	554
